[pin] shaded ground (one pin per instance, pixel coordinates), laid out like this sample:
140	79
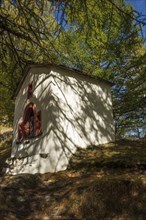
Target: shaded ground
5	152
102	182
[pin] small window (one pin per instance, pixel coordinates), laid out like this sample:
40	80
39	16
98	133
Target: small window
28	122
31	125
30	92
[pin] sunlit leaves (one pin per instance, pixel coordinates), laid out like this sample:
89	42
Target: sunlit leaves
98	37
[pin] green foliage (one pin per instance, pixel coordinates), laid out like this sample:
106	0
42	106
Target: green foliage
104	39
98	37
27	34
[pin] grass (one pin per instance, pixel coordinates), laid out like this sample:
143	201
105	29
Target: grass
102	182
124	154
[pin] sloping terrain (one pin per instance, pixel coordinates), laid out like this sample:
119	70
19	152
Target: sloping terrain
102	182
5	152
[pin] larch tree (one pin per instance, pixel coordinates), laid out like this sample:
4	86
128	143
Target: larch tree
98	37
28	32
105	39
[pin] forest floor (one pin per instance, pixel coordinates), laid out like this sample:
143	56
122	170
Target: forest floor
102	182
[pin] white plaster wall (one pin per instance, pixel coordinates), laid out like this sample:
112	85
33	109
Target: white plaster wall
83	109
41	85
76	112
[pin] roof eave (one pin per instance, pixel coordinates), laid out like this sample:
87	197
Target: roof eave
32	65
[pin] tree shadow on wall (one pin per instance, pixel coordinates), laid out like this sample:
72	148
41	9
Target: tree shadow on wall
75	113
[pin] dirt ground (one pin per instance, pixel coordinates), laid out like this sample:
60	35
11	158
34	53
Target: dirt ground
102	182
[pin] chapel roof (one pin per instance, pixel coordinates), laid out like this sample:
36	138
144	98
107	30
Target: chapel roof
51	65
